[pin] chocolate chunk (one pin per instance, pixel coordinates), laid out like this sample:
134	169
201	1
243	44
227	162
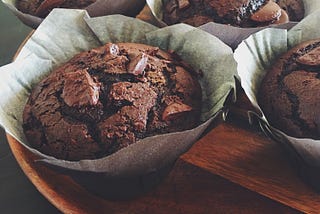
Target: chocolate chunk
138	64
113	49
175	110
183	4
80	89
284	18
311	58
269	12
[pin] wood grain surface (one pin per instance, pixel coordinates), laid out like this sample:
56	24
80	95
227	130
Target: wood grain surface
248	158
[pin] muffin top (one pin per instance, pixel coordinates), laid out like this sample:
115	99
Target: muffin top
109	97
290	90
242	13
42	8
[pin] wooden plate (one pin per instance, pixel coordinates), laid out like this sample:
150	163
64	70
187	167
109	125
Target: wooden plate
199	181
238	154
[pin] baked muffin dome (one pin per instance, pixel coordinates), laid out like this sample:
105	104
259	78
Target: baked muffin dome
109	97
289	94
42	8
242	13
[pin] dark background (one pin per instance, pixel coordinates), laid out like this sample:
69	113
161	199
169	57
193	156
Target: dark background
17	193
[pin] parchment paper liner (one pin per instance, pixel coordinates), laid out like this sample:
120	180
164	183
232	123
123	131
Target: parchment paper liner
254	56
58	39
230	35
99	8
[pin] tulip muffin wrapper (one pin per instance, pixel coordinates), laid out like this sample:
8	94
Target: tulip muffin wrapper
255	56
58	39
98	8
230	35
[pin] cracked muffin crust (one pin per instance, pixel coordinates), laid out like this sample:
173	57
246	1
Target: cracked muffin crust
242	13
42	8
289	94
109	97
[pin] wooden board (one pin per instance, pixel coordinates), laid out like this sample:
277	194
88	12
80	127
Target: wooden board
250	159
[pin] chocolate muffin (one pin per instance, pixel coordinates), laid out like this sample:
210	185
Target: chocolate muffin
109	97
289	94
42	8
242	13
